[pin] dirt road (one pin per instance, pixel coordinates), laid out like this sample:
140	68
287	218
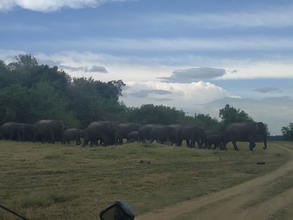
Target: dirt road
242	202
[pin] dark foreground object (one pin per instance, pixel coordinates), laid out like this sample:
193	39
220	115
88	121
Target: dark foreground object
118	210
261	163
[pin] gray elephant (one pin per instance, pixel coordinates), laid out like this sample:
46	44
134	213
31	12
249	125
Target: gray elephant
144	133
105	131
49	130
201	136
12	131
189	133
72	134
132	137
125	129
244	131
163	134
215	138
28	132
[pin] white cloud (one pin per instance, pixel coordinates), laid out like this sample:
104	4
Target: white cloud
232	43
50	5
185	95
141	69
270	17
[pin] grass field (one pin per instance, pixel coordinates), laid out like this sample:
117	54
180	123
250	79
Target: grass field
44	181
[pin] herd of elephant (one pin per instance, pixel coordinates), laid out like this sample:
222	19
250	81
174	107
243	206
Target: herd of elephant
112	133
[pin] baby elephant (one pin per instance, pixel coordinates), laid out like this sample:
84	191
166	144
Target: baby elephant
71	135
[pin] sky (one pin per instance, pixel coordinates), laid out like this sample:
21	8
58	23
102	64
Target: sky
196	56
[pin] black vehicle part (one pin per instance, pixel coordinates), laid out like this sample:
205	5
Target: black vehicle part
14	213
118	210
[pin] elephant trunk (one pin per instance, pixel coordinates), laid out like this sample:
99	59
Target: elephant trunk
265	141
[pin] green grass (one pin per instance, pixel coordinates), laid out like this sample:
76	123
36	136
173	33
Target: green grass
44	181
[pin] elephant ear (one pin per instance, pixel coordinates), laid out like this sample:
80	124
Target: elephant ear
257	127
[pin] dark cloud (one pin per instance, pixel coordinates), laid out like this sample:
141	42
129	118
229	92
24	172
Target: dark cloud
99	69
145	93
72	68
50	63
268	90
162	100
194	75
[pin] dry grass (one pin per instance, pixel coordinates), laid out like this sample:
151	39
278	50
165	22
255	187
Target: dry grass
43	181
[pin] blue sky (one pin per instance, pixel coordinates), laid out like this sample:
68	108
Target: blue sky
193	55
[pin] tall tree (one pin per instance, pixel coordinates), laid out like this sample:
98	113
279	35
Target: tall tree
158	114
228	114
206	121
24	63
287	132
7	77
23	66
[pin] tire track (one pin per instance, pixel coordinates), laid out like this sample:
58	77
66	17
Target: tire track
228	204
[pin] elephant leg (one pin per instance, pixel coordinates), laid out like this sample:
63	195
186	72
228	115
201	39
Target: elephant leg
11	136
235	146
251	142
226	141
252	145
34	138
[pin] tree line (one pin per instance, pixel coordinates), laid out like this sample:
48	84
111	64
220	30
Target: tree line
30	92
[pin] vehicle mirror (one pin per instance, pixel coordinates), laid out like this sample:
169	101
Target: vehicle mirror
118	210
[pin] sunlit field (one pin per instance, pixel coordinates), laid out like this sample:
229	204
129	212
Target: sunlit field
45	181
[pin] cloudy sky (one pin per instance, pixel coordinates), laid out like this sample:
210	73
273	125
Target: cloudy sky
192	55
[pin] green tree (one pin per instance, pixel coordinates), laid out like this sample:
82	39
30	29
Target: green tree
287	132
83	99
15	104
228	114
23	66
7	77
109	90
48	104
57	78
206	121
24	63
158	114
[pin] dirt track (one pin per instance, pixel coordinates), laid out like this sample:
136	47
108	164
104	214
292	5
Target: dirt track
235	203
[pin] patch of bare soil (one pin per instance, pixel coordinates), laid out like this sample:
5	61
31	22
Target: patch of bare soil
233	203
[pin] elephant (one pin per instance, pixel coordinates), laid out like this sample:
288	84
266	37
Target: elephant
189	133
215	138
13	131
132	137
28	132
72	134
125	129
244	131
106	131
49	130
163	134
144	133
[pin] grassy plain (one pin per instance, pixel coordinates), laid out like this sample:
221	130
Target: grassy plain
45	181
